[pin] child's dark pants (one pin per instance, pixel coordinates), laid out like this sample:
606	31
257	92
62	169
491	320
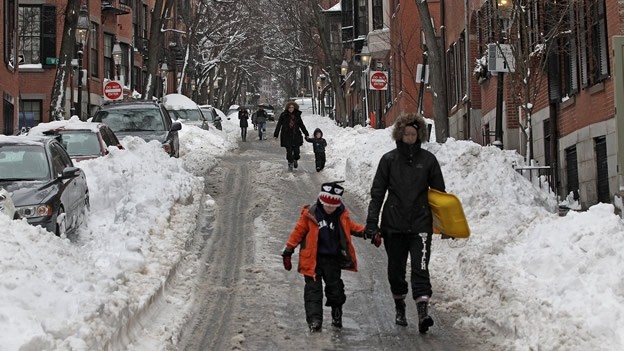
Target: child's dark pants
319	159
328	270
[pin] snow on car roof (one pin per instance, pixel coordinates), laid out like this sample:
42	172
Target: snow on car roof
74	123
20	140
179	102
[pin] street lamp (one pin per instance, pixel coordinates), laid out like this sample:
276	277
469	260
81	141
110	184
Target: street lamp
503	7
117	58
365	57
344	68
82	36
164	70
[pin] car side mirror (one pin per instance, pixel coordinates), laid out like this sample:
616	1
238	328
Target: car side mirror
175	126
70	172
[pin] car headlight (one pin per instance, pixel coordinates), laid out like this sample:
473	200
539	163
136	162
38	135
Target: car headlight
34	211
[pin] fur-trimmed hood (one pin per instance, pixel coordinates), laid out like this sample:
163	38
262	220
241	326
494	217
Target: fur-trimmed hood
291	103
413	119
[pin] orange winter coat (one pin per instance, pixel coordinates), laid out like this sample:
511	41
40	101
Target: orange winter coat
305	234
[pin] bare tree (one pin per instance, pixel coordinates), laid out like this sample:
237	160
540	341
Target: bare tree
63	67
437	76
159	14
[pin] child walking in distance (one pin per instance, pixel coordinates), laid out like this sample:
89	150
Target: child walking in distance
318	145
324	231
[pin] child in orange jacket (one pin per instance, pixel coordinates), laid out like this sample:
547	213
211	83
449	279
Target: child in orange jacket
324	231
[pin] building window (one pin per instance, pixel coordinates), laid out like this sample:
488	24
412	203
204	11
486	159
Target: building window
30	113
596	36
378	14
37	35
124	67
108	56
362	28
9	13
124	2
94	57
29	22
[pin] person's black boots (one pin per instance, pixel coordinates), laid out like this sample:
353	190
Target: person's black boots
315	326
399	305
337	316
424	320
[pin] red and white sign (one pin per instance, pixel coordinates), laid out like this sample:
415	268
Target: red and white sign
113	91
378	80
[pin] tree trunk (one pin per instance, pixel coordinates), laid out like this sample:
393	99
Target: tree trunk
63	66
341	111
154	53
438	73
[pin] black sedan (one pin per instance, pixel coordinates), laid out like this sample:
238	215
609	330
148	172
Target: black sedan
45	186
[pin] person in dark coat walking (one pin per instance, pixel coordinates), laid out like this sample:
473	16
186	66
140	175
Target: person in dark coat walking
318	145
323	234
290	126
261	118
243	116
405	174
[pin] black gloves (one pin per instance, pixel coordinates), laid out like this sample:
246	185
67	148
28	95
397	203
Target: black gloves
372	232
286	257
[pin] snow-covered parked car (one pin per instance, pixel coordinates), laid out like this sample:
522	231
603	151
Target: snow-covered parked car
83	140
183	109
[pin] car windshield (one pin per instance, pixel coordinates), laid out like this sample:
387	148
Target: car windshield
128	120
23	162
80	142
189	115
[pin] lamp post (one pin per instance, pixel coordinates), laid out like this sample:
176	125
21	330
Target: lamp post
164	70
344	69
503	8
365	57
423	73
82	36
193	87
117	59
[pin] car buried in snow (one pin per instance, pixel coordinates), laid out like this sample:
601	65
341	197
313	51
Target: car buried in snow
45	186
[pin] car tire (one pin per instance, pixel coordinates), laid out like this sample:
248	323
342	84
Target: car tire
61	228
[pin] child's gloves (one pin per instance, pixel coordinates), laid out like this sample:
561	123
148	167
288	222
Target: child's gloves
372	232
376	240
286	257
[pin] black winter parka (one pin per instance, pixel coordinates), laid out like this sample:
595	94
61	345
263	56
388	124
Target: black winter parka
290	137
406	174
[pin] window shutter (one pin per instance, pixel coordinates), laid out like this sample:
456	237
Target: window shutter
554	78
573	68
48	35
602	28
582	35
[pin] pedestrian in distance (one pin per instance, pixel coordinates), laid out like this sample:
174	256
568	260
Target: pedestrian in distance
318	145
405	175
253	120
243	116
323	233
290	126
261	119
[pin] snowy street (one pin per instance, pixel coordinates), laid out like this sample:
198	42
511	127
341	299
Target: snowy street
184	254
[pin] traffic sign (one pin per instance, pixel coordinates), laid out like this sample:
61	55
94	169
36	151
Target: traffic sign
113	90
379	80
501	58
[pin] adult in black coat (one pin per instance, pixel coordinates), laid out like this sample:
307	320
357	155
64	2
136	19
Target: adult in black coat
405	174
243	116
290	126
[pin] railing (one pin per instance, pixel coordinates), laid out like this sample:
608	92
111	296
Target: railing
538	175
